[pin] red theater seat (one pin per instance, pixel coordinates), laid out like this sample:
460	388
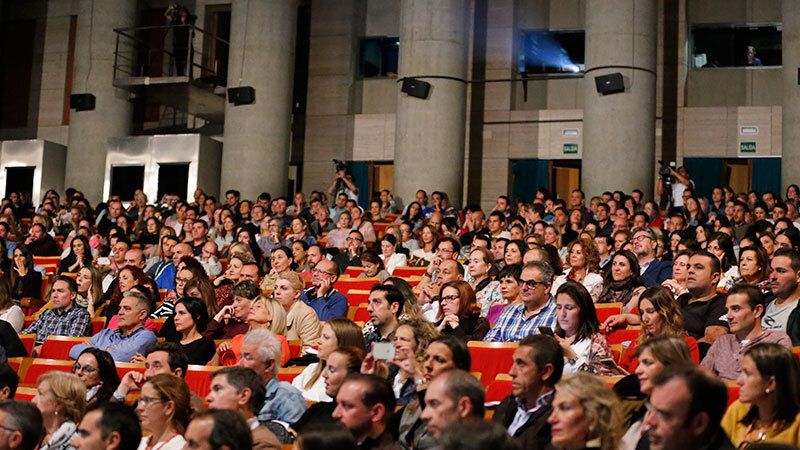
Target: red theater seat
39	366
197	377
491	358
498	389
58	347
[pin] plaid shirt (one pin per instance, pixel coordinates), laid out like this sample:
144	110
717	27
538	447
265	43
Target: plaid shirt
512	325
73	322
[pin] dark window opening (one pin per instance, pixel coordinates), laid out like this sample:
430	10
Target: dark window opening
547	51
378	57
125	180
736	46
17	54
19	179
173	179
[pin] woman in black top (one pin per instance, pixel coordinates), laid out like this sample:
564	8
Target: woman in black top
25	282
460	314
80	255
191	318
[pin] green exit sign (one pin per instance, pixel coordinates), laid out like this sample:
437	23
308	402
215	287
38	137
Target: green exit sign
570	149
747	147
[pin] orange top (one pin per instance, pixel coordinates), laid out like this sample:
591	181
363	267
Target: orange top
230	358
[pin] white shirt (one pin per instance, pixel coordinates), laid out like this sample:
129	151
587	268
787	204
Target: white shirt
174	443
396	260
15	317
317	391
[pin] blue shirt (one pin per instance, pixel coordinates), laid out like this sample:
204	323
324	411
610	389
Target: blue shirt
512	325
333	305
283	403
122	348
165	276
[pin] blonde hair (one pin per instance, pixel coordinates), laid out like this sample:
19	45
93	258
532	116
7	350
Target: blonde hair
348	334
277	312
600	406
69	393
294	280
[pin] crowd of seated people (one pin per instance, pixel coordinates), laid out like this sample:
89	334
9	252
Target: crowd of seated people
569	323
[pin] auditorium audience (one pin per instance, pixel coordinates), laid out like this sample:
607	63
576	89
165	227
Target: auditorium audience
678	280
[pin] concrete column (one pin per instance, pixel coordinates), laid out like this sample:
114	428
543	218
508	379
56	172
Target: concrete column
790	159
429	133
93	74
255	156
619	129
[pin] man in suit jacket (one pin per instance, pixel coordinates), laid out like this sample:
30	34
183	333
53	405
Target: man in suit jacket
537	367
653	270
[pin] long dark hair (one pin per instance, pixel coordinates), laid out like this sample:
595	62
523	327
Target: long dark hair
776	361
107	370
461	357
589	324
87	251
198	310
725	243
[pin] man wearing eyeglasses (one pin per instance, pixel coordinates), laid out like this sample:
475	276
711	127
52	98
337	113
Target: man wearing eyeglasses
21	425
537	310
322	297
351	256
652	270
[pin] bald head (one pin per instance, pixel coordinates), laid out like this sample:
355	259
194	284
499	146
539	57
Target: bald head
181	250
135	258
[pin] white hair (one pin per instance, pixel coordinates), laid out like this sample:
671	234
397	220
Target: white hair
269	347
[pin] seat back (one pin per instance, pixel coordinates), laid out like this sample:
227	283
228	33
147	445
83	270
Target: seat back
27	341
198	379
288	374
409	271
499	388
41	365
58	347
123	368
491	358
606	310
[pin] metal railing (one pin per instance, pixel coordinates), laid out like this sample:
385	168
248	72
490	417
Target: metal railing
169	51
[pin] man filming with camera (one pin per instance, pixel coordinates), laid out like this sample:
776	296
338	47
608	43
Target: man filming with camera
343	182
676	180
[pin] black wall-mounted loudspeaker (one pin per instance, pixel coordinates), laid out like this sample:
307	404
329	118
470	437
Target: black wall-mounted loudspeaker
82	102
609	84
416	88
241	95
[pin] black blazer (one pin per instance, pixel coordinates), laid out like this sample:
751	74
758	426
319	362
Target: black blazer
535	434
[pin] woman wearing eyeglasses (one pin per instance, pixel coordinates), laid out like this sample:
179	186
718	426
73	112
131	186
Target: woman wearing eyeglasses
460	314
97	370
768	408
60	398
164	409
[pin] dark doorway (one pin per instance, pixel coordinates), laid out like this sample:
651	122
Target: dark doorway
173	179
125	180
215	52
19	179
